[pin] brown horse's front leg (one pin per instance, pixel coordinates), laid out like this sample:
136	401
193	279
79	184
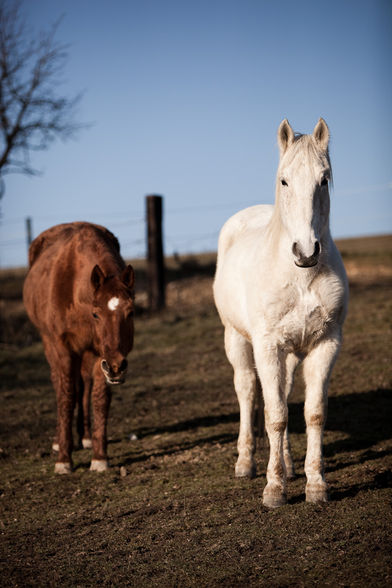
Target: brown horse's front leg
65	392
86	438
101	396
84	421
63	378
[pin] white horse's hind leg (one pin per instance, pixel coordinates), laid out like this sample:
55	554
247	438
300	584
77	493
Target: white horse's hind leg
292	362
317	368
239	353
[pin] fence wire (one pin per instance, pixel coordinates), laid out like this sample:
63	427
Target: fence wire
129	228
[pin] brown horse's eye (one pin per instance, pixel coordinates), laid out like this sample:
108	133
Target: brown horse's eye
95	315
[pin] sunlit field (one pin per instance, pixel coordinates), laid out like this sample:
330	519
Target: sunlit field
170	512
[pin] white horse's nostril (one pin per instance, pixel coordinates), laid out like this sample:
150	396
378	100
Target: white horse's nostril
295	250
303	260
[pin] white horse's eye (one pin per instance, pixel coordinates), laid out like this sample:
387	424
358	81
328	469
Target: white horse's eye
283	182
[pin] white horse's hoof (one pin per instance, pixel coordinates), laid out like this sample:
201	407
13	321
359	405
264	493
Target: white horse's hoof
316	494
99	465
62	467
87	443
245	469
55	446
245	473
273	497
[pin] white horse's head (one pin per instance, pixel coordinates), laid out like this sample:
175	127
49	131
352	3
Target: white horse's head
302	196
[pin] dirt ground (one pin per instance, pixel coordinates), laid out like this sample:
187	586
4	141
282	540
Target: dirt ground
170	512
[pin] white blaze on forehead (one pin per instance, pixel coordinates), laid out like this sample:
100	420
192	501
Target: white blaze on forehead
113	303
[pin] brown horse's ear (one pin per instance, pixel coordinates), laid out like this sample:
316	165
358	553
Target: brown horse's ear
97	277
128	277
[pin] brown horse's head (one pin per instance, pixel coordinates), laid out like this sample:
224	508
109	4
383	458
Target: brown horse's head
112	313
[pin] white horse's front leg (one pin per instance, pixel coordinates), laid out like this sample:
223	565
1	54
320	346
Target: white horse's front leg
292	362
239	353
317	368
271	368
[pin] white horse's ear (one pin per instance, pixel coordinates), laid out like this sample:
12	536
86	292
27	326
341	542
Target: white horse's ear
321	134
285	136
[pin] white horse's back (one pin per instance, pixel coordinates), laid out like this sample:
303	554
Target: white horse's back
244	221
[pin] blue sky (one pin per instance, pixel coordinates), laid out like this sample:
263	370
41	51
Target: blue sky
186	97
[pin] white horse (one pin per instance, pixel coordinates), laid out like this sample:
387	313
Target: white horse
281	292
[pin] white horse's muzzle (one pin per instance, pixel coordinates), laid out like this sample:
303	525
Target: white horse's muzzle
302	260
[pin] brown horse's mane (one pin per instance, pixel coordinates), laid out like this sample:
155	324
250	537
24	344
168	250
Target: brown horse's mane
47	238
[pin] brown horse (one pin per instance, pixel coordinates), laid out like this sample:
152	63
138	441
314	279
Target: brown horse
79	294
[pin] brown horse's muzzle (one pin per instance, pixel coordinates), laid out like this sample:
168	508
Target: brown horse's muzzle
114	371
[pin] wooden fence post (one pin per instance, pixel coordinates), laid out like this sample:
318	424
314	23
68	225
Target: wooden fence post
29	232
155	265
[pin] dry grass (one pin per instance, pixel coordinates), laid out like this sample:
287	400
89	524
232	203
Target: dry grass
170	512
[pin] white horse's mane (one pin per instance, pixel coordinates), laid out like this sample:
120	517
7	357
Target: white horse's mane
305	144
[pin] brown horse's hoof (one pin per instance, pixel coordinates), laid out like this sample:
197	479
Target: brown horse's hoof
87	443
99	465
61	467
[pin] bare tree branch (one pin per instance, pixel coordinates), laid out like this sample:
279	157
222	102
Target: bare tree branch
32	115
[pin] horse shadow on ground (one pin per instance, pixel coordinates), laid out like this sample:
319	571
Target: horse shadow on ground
189	426
363	418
